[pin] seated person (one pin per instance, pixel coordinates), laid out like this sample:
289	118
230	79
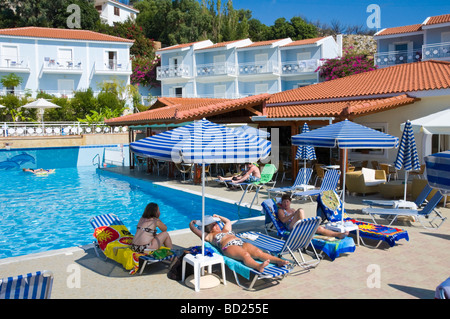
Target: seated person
289	217
232	246
146	237
252	174
38	170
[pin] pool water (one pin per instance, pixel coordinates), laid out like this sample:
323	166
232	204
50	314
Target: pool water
42	213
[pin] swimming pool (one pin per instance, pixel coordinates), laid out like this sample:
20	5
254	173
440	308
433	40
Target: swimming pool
43	213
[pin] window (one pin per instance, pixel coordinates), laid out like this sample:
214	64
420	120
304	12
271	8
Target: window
116	11
261	88
445	37
65	87
111	59
9	54
177	91
382	127
219	91
303	56
65	57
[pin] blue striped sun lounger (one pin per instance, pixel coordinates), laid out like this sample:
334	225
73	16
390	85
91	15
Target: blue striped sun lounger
303	178
37	285
330	182
271	272
299	238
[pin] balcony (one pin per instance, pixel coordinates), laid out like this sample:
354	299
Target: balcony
299	67
55	66
257	68
436	51
216	70
14	64
113	67
173	72
397	57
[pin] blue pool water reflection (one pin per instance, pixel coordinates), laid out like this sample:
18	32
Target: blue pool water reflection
42	213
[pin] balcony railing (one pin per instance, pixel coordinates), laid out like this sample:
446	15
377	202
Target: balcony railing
113	66
258	68
11	129
54	64
299	67
13	62
435	51
215	69
168	72
398	57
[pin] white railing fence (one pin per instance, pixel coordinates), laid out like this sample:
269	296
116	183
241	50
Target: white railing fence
11	129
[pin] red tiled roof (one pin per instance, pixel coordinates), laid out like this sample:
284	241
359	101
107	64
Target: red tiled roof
220	45
445	18
178	46
186	109
262	43
418	76
399	30
73	34
304	42
338	108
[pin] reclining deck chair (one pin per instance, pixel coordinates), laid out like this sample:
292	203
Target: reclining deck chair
114	240
420	200
329	207
303	178
330	182
425	212
238	268
36	285
332	247
267	174
299	238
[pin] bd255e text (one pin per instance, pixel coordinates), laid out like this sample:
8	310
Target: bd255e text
233	308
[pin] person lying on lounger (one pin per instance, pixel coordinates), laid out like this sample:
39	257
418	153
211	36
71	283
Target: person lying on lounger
252	174
288	216
232	246
146	237
39	170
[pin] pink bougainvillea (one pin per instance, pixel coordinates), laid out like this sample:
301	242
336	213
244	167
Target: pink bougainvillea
144	71
350	63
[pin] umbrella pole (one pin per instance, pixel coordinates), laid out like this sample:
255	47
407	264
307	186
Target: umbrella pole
406	184
343	184
203	209
304	172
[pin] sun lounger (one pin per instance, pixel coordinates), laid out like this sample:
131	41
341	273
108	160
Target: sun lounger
329	207
332	247
36	285
329	182
299	239
425	212
238	268
114	240
420	200
301	181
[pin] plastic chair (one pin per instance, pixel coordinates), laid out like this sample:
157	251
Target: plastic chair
36	285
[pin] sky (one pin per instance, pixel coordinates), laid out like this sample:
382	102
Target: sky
348	12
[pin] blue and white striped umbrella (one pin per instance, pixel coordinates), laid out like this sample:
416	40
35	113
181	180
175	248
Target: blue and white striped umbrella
407	157
305	152
346	134
203	142
438	171
253	131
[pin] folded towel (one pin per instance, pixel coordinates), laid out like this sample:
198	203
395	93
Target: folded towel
250	236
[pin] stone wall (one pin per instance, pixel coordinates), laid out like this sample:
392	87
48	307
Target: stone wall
361	43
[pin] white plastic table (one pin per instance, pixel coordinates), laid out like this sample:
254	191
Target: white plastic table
199	261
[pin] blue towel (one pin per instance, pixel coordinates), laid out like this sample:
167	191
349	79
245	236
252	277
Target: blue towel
233	264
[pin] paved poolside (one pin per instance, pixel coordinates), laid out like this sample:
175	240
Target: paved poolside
411	269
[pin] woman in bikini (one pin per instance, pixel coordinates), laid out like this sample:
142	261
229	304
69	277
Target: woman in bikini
233	247
288	216
146	237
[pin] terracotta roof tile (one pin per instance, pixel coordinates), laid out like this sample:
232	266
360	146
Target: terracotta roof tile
187	109
338	108
399	30
303	42
178	46
220	45
262	43
418	76
73	34
445	18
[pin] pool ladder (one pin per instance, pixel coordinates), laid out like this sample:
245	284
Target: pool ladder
96	157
